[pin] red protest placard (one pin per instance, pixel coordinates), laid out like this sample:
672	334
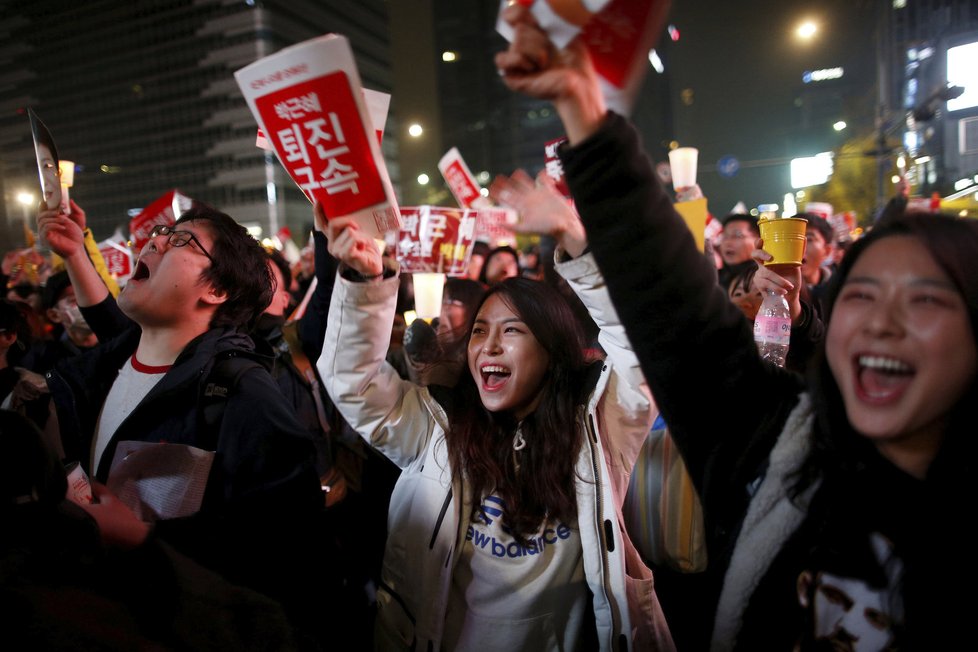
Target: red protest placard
316	127
493	226
555	169
164	210
435	239
308	102
118	259
617	33
460	181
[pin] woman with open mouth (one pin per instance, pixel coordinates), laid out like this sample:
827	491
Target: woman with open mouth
836	510
504	524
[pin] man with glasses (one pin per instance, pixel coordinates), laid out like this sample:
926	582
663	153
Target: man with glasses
174	367
736	242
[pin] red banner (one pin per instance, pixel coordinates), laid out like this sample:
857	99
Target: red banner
317	127
493	226
435	239
165	210
555	169
118	259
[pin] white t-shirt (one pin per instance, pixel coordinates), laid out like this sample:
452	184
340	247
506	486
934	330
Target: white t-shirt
133	383
508	596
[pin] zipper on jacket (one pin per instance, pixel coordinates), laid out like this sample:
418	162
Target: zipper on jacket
398	599
599	508
441	517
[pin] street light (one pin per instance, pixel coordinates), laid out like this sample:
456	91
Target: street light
806	30
415	130
840	125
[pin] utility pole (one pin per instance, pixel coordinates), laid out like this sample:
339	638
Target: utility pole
883	37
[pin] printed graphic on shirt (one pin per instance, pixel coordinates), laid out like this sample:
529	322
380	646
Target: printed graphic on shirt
491	536
854	613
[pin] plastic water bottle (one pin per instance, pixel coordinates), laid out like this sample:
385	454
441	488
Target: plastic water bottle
772	328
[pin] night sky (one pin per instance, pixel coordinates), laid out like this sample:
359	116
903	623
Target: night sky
744	66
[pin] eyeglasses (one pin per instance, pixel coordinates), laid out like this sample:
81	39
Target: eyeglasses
177	238
736	235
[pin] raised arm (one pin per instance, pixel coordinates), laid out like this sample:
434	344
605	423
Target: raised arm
66	237
312	326
694	346
388	412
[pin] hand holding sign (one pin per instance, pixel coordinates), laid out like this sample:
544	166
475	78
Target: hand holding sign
352	246
532	65
60	232
309	104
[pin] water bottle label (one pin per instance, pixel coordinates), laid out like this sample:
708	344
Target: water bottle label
772	330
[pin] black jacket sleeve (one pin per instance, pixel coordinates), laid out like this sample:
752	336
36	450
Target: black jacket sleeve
724	405
106	319
312	326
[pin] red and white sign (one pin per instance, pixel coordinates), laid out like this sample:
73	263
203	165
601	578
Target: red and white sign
820	208
843	224
118	259
618	34
493	226
378	104
555	169
309	103
435	239
164	210
467	191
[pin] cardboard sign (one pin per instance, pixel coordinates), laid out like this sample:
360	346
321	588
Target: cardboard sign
308	101
118	259
494	226
378	104
618	35
164	210
467	191
822	209
553	166
562	20
435	239
843	225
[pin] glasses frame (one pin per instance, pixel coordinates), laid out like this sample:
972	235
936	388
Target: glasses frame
170	232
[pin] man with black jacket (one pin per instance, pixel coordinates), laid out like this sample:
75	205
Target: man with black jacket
176	366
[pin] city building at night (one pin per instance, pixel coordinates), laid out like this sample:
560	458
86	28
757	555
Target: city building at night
142	98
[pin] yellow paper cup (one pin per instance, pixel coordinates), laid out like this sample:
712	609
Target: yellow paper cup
784	239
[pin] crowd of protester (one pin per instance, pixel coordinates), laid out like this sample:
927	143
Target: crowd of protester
459	484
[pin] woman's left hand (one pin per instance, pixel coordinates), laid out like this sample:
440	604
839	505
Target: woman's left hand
541	209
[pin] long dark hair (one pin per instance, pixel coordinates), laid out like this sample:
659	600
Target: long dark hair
541	486
936	513
953	244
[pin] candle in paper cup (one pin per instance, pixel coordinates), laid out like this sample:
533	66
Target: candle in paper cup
67	173
79	488
428	289
682	162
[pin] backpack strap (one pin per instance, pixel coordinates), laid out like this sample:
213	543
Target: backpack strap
215	389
